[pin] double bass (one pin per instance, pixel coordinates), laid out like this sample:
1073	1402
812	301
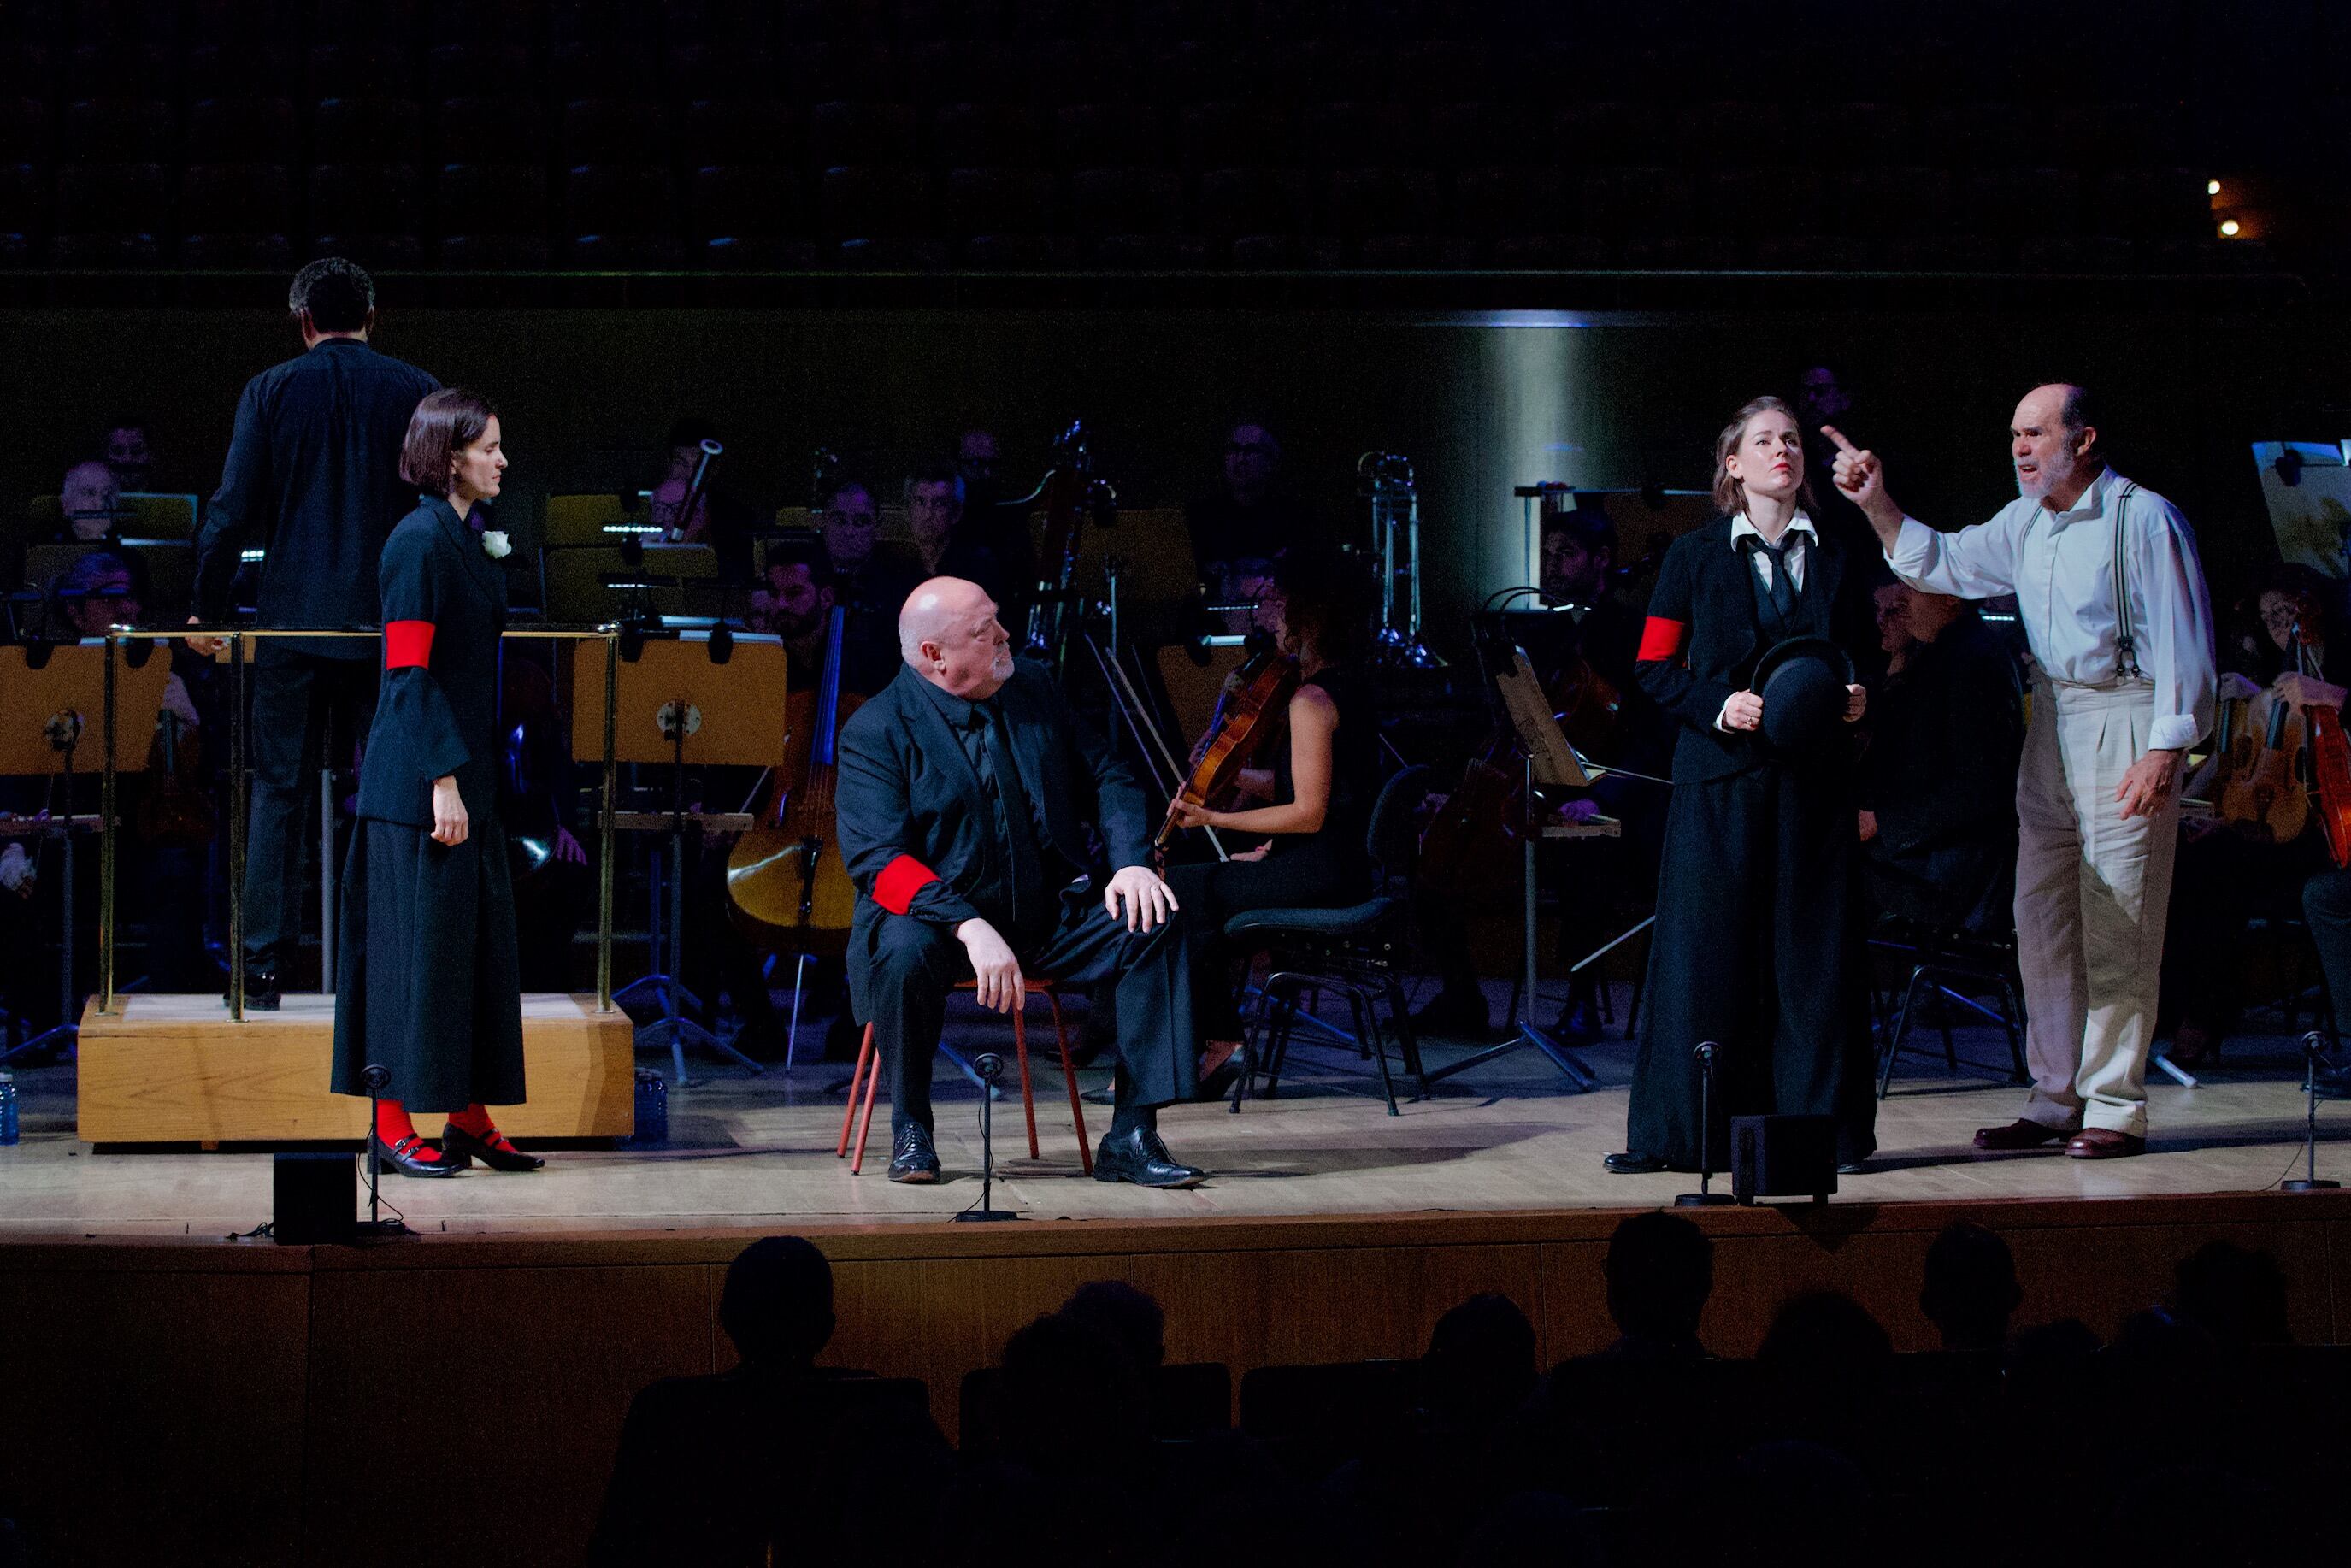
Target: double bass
1070	492
786	886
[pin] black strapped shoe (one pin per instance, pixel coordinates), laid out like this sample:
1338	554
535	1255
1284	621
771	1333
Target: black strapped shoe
460	1145
1137	1154
402	1157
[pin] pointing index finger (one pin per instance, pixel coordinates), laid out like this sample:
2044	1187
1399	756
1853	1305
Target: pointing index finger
1834	433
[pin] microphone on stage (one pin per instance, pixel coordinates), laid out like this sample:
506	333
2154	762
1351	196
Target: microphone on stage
1705	1197
2314	1051
987	1067
375	1078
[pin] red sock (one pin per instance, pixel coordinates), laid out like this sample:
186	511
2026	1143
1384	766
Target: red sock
474	1121
392	1124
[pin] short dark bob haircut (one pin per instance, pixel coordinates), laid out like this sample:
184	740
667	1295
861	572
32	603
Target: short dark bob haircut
444	424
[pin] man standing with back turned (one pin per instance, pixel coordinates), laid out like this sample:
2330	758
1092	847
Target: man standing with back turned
2113	606
313	476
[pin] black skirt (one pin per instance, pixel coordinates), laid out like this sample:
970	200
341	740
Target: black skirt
428	983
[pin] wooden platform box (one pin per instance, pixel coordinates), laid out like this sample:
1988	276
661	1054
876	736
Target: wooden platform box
177	1069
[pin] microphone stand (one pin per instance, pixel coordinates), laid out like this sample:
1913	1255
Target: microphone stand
1705	1197
375	1078
2314	1051
989	1067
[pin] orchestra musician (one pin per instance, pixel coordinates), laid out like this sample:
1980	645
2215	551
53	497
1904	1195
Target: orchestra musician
1316	797
1756	946
429	986
2253	853
2123	686
966	794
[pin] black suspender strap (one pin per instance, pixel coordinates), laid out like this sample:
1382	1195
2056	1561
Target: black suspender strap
2126	638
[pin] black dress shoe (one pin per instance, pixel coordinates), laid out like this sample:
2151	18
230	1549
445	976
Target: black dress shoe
1852	1168
1456	1013
402	1157
261	995
1578	1024
1632	1162
462	1146
912	1158
1137	1154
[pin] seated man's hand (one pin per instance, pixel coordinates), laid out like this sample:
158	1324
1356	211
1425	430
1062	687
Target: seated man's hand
2308	690
1868	826
1137	896
1856	703
993	964
207	647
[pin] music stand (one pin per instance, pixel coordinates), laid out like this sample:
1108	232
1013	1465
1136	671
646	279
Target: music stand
677	706
1549	760
53	718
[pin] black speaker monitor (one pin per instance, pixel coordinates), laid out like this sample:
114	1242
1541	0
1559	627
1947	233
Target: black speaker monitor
1783	1157
314	1199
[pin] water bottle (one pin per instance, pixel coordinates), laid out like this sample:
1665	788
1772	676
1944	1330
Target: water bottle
652	1108
9	1128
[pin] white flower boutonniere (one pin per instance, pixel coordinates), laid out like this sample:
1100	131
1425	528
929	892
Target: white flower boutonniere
495	545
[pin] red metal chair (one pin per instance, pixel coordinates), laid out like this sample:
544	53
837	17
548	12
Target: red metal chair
868	1078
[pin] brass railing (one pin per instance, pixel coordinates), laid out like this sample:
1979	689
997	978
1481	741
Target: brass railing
235	638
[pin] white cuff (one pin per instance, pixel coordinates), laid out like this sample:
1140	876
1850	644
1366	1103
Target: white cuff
2172	732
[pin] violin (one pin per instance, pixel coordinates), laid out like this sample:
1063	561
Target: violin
1252	709
2260	740
786	887
1587	704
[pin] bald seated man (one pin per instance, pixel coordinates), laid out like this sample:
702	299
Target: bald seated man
966	791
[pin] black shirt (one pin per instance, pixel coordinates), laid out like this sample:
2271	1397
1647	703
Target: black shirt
313	476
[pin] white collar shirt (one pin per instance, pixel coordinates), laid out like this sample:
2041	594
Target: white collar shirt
2060	566
1800	538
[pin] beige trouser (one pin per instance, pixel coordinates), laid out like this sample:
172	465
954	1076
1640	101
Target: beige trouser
2092	890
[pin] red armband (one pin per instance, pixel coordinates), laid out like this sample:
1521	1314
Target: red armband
407	644
903	878
1661	638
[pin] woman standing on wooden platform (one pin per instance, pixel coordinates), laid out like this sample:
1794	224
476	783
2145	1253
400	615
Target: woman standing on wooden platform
429	988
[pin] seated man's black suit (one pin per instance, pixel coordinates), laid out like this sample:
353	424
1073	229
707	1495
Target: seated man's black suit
931	841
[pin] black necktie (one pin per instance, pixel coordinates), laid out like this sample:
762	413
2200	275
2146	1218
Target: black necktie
1783	581
1022	871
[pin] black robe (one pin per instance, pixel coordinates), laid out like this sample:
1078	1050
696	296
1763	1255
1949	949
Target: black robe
430	985
1756	948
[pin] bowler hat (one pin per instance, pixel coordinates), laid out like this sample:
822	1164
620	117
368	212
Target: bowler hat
1803	683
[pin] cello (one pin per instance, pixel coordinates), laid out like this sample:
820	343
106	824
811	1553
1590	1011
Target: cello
786	886
2330	765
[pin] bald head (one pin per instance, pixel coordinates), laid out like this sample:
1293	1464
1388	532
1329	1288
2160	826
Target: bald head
88	497
948	632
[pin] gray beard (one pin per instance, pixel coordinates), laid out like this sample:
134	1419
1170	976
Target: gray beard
2051	476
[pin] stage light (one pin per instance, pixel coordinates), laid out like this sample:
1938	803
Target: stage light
2211	187
2229	228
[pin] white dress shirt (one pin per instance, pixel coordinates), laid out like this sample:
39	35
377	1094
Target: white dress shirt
1799	537
1799	549
2060	566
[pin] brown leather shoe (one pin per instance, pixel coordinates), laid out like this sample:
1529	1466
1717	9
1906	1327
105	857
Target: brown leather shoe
2018	1134
2105	1144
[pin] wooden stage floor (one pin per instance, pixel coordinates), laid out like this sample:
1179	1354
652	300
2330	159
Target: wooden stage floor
757	1154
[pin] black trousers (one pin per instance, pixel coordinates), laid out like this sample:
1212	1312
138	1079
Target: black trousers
916	961
2326	904
1310	876
1758	951
295	696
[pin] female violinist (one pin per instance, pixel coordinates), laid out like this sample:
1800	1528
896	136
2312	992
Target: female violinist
1756	948
429	986
1317	795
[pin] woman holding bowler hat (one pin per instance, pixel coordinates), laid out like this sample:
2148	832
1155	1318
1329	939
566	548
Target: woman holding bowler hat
1755	947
